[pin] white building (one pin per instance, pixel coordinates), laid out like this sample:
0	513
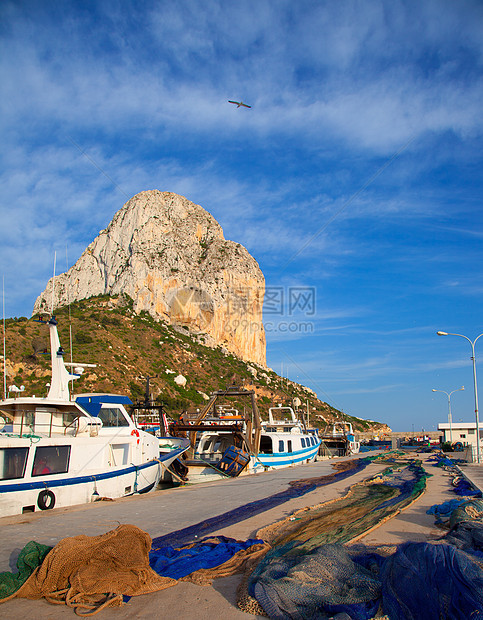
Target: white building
462	432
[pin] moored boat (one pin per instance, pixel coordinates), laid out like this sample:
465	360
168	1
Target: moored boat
285	441
338	439
228	443
61	451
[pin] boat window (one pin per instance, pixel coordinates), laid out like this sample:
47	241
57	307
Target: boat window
303	441
51	460
281	446
112	417
12	462
289	449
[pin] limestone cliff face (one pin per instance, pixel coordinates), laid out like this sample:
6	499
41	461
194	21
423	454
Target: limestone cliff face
169	255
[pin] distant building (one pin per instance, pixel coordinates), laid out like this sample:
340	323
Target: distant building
463	432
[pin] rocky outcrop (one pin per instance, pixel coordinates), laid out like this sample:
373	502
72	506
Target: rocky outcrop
170	256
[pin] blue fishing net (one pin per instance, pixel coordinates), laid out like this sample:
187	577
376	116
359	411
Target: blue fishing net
442	461
442	512
432	582
466	489
207	553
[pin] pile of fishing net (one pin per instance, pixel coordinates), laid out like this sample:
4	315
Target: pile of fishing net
464	488
90	573
464	519
430	581
442	512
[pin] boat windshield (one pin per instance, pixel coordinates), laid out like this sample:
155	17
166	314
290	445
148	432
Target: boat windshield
112	417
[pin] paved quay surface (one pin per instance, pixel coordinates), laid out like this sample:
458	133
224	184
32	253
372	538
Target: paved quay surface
474	473
166	511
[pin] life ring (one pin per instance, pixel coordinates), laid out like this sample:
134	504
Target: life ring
46	500
135	433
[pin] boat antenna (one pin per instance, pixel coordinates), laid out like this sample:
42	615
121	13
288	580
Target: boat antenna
4	344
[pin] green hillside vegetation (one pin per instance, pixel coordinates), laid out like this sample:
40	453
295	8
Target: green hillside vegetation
128	347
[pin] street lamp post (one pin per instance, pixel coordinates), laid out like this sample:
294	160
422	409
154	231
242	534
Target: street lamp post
472	343
450	420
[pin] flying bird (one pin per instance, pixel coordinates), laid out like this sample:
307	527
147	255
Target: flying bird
239	104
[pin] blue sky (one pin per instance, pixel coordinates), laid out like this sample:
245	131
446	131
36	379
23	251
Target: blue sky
355	177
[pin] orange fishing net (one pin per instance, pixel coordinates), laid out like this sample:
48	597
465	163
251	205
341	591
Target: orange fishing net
90	573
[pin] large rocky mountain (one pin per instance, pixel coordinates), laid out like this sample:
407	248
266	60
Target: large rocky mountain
170	256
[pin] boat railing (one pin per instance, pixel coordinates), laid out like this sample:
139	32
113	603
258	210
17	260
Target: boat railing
288	413
51	423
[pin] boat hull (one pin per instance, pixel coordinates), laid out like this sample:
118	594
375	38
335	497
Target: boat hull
279	460
82	487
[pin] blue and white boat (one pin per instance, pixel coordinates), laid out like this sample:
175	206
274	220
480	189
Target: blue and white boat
284	441
62	450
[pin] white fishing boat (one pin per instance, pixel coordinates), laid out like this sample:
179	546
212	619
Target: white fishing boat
285	441
61	451
338	439
227	443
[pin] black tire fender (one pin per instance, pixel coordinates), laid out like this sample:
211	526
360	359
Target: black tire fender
46	500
